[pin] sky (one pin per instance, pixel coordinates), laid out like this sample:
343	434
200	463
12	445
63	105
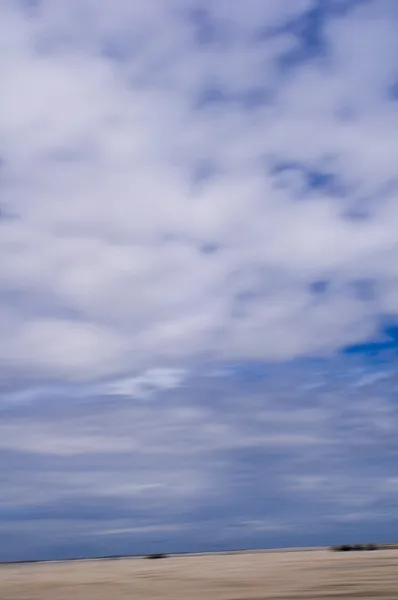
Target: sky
198	275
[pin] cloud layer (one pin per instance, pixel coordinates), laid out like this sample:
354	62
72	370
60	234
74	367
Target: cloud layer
183	181
183	184
299	454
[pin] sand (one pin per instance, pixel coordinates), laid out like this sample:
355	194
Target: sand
308	575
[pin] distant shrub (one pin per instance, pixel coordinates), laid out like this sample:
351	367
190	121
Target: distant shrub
343	548
354	547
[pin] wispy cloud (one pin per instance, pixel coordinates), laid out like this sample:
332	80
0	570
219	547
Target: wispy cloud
293	453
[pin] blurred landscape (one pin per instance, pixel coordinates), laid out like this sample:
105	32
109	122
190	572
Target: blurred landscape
318	574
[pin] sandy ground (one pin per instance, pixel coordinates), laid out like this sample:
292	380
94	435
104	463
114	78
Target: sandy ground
287	576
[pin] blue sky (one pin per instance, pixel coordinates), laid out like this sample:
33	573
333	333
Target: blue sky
198	274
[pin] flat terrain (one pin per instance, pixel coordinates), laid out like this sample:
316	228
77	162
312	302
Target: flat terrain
308	575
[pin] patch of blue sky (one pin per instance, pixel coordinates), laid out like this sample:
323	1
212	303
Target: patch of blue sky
204	171
363	289
30	6
218	96
319	287
393	91
311	43
205	28
248	371
210	248
303	179
307	35
213	95
306	32
383	346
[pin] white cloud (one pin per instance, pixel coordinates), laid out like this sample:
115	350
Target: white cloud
145	529
32	438
98	161
145	385
63	346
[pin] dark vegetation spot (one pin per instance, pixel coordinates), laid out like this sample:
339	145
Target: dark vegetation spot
354	547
